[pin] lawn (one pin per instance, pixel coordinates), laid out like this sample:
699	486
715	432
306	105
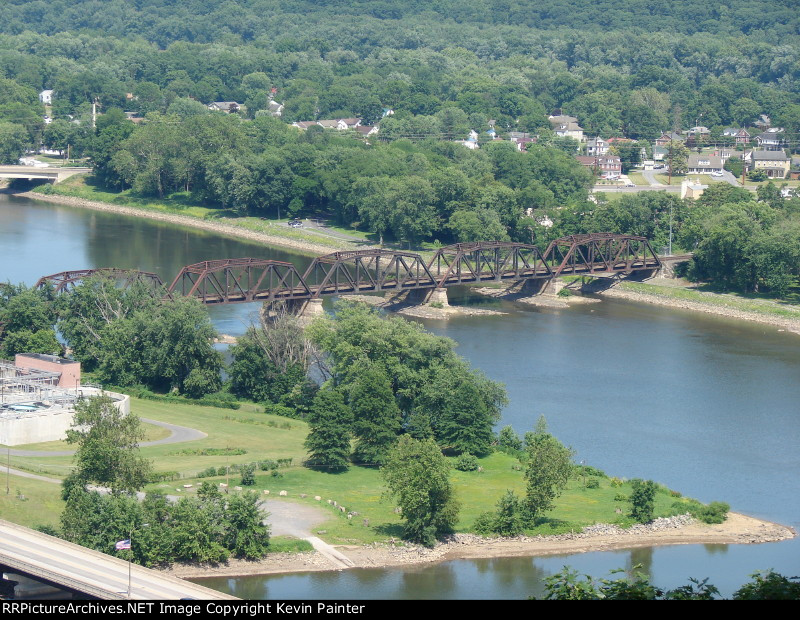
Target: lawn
359	489
31	502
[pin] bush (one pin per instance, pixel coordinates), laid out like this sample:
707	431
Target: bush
592	483
484	524
466	462
643	500
715	512
281	410
248	474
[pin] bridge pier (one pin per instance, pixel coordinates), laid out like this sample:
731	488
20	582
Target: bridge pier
540	286
306	310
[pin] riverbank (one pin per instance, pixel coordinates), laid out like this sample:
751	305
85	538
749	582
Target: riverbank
684	296
682	530
218	226
658	291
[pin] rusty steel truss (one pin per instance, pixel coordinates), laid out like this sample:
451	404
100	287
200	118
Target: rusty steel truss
487	261
242	280
67	280
600	253
367	271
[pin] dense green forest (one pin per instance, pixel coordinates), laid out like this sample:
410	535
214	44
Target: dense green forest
626	68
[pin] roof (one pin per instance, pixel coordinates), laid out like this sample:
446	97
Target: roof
698	160
770	156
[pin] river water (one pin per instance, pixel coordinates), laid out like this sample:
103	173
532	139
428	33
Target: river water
702	404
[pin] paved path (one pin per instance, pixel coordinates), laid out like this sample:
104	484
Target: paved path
178	434
297	520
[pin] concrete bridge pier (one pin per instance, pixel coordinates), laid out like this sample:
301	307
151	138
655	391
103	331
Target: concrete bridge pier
306	310
539	286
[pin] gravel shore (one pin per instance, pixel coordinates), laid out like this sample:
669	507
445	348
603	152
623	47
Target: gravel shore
784	323
680	530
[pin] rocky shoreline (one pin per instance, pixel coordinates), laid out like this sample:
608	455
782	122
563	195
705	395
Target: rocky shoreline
784	323
678	530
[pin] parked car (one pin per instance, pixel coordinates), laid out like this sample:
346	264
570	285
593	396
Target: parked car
296	224
716	173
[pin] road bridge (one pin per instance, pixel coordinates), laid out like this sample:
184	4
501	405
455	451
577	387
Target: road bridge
78	569
49	173
244	280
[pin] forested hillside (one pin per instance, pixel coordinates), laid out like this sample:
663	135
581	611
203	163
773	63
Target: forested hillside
441	69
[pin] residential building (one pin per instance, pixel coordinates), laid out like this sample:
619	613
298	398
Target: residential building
704	164
776	164
740	136
275	108
596	146
46	97
692	189
566	127
771	140
608	166
667	137
229	107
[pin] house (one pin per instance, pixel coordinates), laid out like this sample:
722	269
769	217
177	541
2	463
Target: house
608	166
704	164
740	136
304	124
776	164
523	142
698	132
367	130
275	108
764	122
229	107
46	97
471	142
692	189
667	137
340	124
566	127
771	140
596	146
660	153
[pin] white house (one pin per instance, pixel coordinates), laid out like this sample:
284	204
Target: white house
46	97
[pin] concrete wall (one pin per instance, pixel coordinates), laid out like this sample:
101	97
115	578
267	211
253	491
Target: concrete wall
49	425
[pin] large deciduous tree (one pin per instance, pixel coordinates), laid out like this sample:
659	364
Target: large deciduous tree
417	476
108	446
548	471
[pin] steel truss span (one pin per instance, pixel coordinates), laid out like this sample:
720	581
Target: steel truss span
243	280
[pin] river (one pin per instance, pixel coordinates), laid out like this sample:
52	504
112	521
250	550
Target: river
702	404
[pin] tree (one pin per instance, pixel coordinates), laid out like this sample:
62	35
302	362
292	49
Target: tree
416	474
548	471
769	586
643	498
328	441
246	535
13	141
108	446
678	157
376	415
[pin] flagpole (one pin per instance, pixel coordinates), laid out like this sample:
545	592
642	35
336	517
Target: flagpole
130	538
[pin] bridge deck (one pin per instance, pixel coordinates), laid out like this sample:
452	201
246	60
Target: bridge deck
97	574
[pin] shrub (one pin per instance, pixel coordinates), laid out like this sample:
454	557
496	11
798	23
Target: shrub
248	474
484	524
466	462
643	500
592	483
715	512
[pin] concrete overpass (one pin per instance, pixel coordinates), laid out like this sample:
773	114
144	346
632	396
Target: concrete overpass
49	173
64	564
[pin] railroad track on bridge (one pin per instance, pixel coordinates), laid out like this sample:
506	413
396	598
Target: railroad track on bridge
246	280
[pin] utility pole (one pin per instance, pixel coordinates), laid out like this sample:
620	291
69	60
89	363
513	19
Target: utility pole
95	103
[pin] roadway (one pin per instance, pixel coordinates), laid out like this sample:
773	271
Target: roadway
97	574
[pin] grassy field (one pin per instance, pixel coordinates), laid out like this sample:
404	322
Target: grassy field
30	502
638	178
359	489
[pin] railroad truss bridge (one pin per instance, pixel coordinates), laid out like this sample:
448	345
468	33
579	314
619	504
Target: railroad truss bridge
244	280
